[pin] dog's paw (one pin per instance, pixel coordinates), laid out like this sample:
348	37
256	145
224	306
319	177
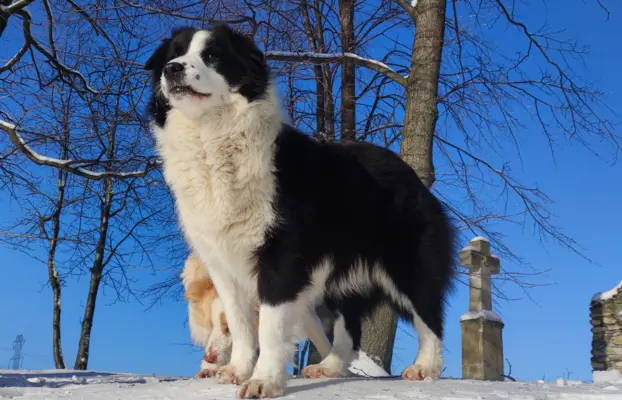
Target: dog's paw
226	375
207	372
320	371
418	372
259	389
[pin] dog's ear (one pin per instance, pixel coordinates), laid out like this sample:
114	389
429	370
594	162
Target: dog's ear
255	55
249	51
221	27
158	58
198	289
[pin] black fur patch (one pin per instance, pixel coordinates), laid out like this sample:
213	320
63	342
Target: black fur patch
355	204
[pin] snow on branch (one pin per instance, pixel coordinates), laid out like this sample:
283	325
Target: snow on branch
14	7
408	7
68	165
317	58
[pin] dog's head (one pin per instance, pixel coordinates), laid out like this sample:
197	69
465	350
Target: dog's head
197	71
218	348
219	345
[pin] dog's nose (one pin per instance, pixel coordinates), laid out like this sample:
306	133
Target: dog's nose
210	356
172	68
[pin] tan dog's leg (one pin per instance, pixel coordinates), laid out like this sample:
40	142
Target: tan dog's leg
315	331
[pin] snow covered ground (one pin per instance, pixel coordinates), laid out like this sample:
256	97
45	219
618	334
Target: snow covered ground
112	386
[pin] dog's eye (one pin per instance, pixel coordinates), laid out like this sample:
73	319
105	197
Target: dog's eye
210	54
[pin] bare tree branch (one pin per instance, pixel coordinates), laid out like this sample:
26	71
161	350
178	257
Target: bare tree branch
408	7
324	58
68	165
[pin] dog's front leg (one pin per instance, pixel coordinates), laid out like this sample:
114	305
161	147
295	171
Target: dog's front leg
276	334
237	305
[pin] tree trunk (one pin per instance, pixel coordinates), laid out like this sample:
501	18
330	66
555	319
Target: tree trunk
379	336
422	89
329	106
59	360
55	280
417	136
82	358
320	111
53	277
348	94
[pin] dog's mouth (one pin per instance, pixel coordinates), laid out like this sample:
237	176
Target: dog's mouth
187	90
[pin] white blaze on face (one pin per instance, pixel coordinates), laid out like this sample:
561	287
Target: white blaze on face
200	77
220	339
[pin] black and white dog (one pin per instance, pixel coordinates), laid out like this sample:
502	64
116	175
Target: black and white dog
278	216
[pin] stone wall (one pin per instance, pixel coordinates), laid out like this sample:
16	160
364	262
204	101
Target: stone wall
606	320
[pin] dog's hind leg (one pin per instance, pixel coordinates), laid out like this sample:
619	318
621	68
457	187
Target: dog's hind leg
429	359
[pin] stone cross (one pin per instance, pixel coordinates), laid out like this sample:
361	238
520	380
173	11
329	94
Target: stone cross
476	256
482	343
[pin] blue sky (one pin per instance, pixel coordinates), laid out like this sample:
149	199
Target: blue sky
545	336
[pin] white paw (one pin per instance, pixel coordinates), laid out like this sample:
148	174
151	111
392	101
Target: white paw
418	372
320	371
259	389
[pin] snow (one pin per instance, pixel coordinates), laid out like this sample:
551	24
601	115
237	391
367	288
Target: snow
7	125
328	56
612	376
333	56
486	314
15	6
41	159
413	3
472	248
608	294
365	366
480	238
31	385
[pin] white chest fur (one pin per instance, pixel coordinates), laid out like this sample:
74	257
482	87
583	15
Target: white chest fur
221	172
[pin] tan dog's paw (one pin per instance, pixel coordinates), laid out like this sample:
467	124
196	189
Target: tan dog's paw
320	371
226	375
259	389
207	372
418	372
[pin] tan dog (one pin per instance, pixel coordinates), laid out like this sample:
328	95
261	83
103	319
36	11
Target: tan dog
207	320
208	323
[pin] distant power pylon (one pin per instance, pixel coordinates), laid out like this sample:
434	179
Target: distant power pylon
16	361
